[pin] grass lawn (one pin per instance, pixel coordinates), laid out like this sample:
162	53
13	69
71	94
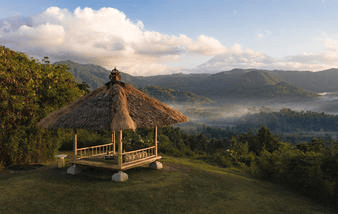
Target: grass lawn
182	186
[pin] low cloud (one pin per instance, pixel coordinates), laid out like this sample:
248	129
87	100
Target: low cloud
264	35
105	37
237	57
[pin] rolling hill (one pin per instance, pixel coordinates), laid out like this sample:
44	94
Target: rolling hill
95	75
323	81
237	83
263	84
173	96
182	186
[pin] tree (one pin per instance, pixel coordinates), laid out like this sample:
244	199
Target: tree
29	91
84	87
266	140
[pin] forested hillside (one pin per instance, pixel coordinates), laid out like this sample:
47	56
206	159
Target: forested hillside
288	121
95	76
323	81
172	96
263	84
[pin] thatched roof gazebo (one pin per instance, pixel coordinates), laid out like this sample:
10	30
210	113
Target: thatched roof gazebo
116	106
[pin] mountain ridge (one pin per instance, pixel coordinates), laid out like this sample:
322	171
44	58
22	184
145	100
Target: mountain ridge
232	83
173	96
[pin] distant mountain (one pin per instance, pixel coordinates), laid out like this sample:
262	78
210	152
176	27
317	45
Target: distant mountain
173	96
323	81
95	75
263	84
236	83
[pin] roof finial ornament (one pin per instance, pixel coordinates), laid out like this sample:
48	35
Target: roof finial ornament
115	75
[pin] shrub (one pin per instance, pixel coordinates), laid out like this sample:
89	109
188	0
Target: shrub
29	90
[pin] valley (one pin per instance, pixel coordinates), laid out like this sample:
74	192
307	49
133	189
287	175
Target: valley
231	98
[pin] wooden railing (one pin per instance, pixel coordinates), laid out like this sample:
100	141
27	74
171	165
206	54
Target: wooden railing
93	151
134	156
127	157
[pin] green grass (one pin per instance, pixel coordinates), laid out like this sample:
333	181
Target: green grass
183	186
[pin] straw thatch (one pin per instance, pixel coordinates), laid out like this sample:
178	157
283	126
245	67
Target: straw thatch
115	106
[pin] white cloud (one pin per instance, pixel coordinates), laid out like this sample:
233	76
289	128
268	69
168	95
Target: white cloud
239	58
105	37
206	45
331	44
264	35
260	36
108	38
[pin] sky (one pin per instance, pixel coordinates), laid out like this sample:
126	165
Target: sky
155	37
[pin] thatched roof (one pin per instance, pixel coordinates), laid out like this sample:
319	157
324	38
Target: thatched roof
115	106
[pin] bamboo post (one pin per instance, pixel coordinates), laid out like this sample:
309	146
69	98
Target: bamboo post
155	140
120	151
75	145
113	141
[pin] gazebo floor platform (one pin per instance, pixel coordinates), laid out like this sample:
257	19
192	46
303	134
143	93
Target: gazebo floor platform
101	162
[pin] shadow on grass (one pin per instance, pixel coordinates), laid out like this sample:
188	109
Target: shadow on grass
25	167
92	175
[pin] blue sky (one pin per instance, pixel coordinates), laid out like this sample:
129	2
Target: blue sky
156	37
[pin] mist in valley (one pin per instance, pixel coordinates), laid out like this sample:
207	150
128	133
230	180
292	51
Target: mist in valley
231	112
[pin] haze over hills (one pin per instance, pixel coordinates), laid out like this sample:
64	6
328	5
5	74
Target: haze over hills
221	99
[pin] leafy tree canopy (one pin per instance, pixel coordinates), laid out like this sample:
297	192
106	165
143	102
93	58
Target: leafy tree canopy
29	90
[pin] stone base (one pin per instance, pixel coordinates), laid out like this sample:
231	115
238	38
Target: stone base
74	170
156	165
119	177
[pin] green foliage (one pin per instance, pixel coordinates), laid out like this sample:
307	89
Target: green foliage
29	91
165	146
142	138
310	168
288	121
222	159
85	138
84	87
218	133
